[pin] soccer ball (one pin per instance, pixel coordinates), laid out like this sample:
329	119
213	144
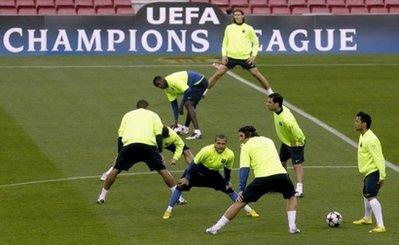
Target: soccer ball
333	219
178	129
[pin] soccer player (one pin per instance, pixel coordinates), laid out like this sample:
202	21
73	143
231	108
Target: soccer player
172	142
204	172
139	140
191	85
371	163
291	136
259	154
240	47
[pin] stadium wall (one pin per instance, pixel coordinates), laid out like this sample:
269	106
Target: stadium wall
194	28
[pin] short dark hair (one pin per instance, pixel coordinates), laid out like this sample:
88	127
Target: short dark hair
142	104
277	98
221	136
156	79
249	131
364	118
165	132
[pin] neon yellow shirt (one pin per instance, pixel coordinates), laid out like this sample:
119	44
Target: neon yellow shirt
140	126
213	160
287	128
369	155
260	154
177	84
174	139
240	41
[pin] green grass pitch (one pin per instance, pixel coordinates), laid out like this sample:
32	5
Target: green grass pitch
59	118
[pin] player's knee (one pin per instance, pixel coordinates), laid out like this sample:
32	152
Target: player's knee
256	75
116	171
254	72
222	70
189	104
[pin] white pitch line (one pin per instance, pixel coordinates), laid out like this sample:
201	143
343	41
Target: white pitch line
310	117
146	173
187	64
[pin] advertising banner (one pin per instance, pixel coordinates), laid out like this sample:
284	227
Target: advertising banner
194	28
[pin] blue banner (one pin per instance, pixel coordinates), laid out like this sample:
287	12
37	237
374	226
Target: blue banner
194	28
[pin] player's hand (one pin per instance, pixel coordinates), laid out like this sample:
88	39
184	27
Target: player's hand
251	60
240	197
380	183
173	161
182	182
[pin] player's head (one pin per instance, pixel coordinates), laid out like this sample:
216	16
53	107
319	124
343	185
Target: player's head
159	82
220	143
165	132
247	132
274	102
362	121
238	16
142	104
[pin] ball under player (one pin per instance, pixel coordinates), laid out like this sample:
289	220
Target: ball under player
204	172
139	140
371	163
240	47
191	85
259	154
291	136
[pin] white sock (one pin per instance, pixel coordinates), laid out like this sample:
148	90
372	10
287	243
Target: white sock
367	208
291	219
377	210
197	131
169	209
247	208
222	222
103	194
269	91
109	170
299	187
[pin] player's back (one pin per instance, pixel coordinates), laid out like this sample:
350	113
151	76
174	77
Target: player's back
140	126
263	155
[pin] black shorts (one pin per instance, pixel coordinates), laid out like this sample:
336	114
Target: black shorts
231	63
138	152
203	177
297	153
370	184
197	91
275	183
172	148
